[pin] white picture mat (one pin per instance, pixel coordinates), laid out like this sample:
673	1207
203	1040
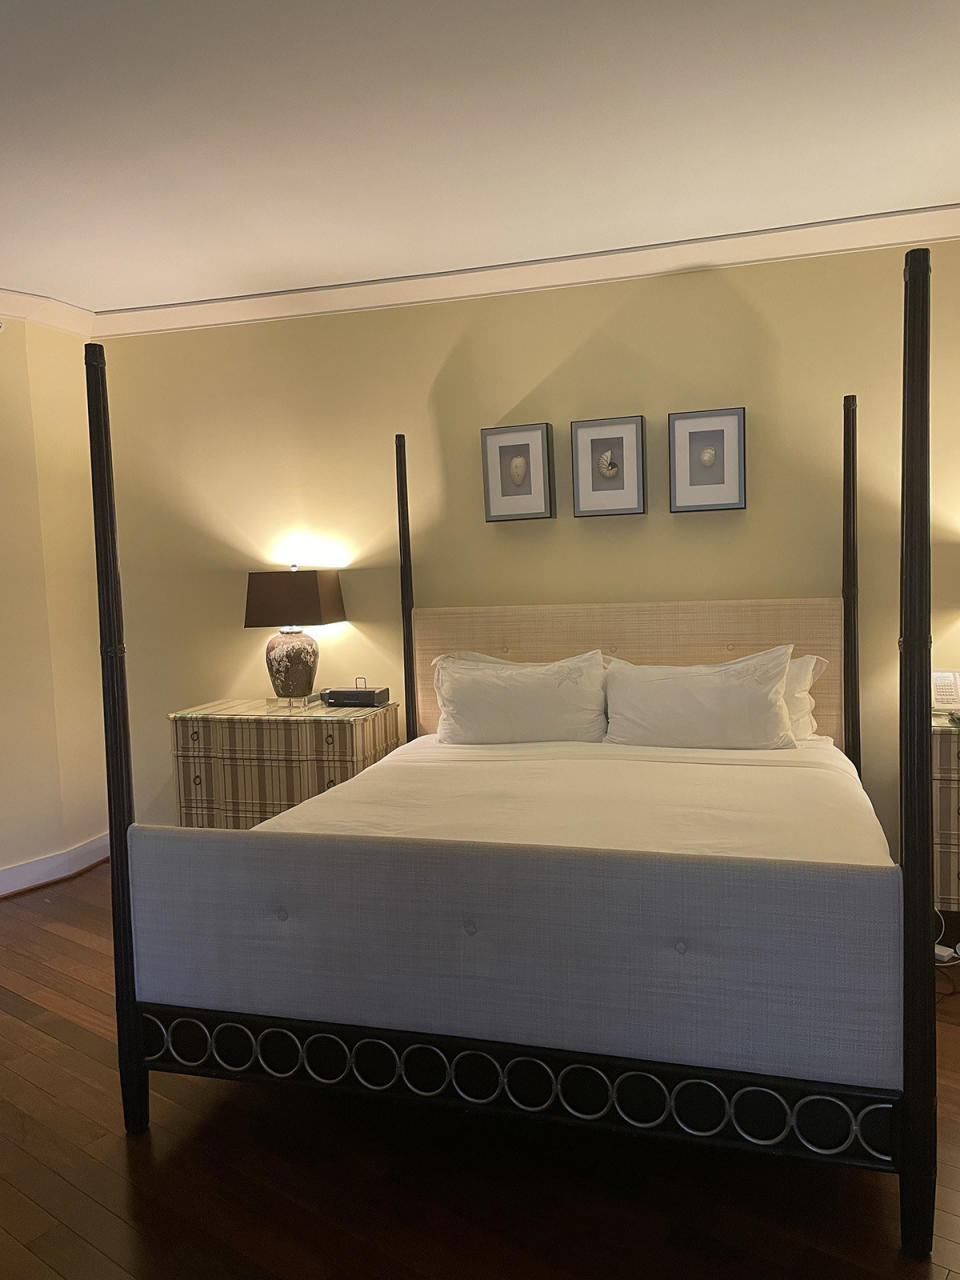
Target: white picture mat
698	495
523	503
608	499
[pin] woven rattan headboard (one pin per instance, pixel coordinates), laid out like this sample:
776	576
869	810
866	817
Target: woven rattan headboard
674	632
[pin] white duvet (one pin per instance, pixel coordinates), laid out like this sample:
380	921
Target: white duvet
804	804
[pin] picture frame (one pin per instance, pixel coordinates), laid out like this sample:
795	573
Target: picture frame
518	481
708	465
609	466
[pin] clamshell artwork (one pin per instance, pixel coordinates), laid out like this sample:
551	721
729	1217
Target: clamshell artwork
606	465
708	455
518	469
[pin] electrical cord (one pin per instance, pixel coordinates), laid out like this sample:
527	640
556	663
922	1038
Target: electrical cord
955	959
945	964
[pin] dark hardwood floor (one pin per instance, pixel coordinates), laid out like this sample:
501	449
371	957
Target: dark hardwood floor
240	1182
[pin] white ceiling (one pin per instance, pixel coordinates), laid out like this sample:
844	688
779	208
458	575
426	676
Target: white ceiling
161	152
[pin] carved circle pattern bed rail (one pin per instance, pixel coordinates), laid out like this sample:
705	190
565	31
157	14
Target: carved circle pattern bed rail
688	1103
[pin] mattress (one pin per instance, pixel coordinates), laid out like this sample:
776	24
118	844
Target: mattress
805	804
727	909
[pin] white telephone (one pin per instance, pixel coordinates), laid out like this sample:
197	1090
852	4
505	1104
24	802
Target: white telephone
946	691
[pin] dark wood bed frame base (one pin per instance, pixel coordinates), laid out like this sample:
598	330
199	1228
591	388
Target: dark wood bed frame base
807	1119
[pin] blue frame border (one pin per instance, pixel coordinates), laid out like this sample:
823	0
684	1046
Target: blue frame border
549	490
672	420
637	421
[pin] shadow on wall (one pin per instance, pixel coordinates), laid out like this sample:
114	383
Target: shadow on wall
637	359
709	350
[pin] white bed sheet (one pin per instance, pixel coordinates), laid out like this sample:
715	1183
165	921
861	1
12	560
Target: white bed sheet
804	804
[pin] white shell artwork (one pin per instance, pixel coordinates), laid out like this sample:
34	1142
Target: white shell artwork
708	455
606	465
518	469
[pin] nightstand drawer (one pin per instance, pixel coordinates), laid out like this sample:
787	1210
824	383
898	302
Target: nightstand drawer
198	780
201	815
250	739
946	753
247	739
195	737
262	784
228	818
239	817
273	785
946	812
946	876
322	775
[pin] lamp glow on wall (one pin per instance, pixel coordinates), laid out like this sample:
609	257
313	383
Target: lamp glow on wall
291	600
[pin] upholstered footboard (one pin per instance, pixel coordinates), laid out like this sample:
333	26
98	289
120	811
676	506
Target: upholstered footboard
566	982
760	966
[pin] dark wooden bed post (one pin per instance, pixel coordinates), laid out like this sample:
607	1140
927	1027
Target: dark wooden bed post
918	1111
406	594
133	1072
851	597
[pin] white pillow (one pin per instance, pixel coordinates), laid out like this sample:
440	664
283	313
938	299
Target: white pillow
737	704
801	674
489	700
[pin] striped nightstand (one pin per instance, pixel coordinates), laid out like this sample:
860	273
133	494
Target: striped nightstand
946	817
238	762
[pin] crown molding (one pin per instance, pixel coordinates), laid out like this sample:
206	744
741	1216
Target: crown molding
871	231
47	311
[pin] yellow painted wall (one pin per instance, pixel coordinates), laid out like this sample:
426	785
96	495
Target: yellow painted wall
51	752
29	790
58	399
240	447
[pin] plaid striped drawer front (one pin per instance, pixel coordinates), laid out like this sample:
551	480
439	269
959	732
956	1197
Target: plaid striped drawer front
946	753
201	815
331	740
270	786
198	780
225	819
946	876
321	775
946	812
263	784
195	736
251	739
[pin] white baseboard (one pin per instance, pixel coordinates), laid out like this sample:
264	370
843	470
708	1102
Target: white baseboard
53	866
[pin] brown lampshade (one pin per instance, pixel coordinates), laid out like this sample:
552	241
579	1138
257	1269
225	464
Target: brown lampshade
294	598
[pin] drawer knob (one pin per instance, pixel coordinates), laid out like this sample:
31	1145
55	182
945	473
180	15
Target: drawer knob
329	739
197	779
195	736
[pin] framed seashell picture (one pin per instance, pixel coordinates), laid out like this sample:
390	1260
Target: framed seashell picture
609	467
518	472
708	460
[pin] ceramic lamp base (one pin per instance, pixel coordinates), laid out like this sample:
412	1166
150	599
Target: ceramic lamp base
292	663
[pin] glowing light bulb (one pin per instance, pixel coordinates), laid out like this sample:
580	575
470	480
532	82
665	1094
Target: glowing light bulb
304	546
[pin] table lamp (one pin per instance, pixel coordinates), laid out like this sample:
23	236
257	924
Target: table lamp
292	599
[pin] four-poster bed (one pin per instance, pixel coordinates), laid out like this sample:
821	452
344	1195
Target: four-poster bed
386	979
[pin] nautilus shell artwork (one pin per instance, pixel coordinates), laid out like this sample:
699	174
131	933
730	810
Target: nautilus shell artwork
708	455
606	465
518	469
